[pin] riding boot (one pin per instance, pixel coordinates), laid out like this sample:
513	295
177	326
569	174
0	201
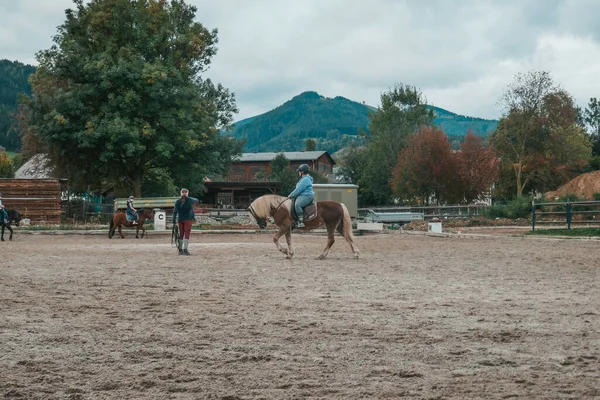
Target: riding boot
185	247
300	223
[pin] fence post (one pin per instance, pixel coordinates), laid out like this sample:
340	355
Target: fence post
569	214
532	215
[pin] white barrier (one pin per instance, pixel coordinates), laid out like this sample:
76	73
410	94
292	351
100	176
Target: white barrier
160	221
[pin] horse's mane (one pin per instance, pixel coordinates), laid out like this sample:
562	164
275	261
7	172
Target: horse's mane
262	206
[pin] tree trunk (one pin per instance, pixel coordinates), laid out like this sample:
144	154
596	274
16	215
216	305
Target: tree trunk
518	171
137	184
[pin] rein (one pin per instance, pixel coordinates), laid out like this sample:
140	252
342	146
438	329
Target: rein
280	204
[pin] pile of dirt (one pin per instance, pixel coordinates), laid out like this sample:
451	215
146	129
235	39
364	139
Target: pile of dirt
584	186
416	226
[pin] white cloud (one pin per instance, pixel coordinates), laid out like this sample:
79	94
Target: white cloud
461	53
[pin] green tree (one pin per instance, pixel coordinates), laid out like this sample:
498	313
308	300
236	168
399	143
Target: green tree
281	172
591	117
403	109
539	135
6	166
351	164
121	94
310	145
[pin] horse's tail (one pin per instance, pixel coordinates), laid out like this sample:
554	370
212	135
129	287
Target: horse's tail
110	227
345	226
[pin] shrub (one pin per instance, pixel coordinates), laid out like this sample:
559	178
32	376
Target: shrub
517	208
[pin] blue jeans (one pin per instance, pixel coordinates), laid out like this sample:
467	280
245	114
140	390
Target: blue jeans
131	216
301	202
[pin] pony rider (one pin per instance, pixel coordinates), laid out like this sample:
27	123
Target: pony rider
132	214
303	193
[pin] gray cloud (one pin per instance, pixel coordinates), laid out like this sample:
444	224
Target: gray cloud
461	53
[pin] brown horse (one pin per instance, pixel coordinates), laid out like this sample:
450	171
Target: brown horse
119	220
333	215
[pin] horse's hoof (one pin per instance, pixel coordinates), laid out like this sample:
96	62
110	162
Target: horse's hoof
356	256
289	257
321	258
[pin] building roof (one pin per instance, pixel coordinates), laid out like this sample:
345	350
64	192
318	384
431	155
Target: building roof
290	155
37	167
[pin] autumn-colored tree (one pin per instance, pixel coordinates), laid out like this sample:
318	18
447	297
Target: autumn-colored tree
426	169
478	167
539	135
6	166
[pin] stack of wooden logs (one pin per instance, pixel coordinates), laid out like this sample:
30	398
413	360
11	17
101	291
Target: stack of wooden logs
39	200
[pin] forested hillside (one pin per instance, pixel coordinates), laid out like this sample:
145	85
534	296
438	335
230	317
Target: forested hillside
333	123
13	80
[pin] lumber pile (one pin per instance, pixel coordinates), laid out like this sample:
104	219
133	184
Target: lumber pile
37	199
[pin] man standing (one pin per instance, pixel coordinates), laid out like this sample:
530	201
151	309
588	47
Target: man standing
183	215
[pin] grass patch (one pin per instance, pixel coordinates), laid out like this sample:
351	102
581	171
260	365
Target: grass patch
11	154
587	232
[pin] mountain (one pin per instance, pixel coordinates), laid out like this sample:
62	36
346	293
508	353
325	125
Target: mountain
333	122
13	80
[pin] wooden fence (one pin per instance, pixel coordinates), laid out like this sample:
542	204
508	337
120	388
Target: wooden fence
37	199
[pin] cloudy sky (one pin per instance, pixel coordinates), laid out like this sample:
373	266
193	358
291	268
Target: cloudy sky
460	53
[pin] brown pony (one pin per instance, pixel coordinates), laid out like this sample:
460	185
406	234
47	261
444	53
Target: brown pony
333	215
119	220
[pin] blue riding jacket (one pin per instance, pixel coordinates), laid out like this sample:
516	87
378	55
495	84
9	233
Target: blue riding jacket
304	187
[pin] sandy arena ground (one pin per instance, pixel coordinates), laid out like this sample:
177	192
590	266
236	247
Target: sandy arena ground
85	317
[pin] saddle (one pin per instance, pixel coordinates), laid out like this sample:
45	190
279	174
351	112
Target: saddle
310	211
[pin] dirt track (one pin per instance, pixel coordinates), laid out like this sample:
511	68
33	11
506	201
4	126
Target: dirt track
84	317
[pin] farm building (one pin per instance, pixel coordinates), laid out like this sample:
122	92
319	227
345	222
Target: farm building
242	185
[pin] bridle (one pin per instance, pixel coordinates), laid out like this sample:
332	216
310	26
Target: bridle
262	222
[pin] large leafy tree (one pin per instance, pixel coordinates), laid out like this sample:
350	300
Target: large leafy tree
403	109
120	95
426	170
539	135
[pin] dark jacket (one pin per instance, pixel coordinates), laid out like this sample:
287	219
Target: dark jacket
184	211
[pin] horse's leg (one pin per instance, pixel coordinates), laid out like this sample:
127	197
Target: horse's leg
279	234
288	239
121	231
11	232
137	231
2	236
330	241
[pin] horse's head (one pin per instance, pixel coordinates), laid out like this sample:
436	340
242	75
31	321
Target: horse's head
260	221
145	213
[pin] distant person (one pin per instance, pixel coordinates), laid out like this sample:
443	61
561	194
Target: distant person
3	213
183	216
132	214
303	193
